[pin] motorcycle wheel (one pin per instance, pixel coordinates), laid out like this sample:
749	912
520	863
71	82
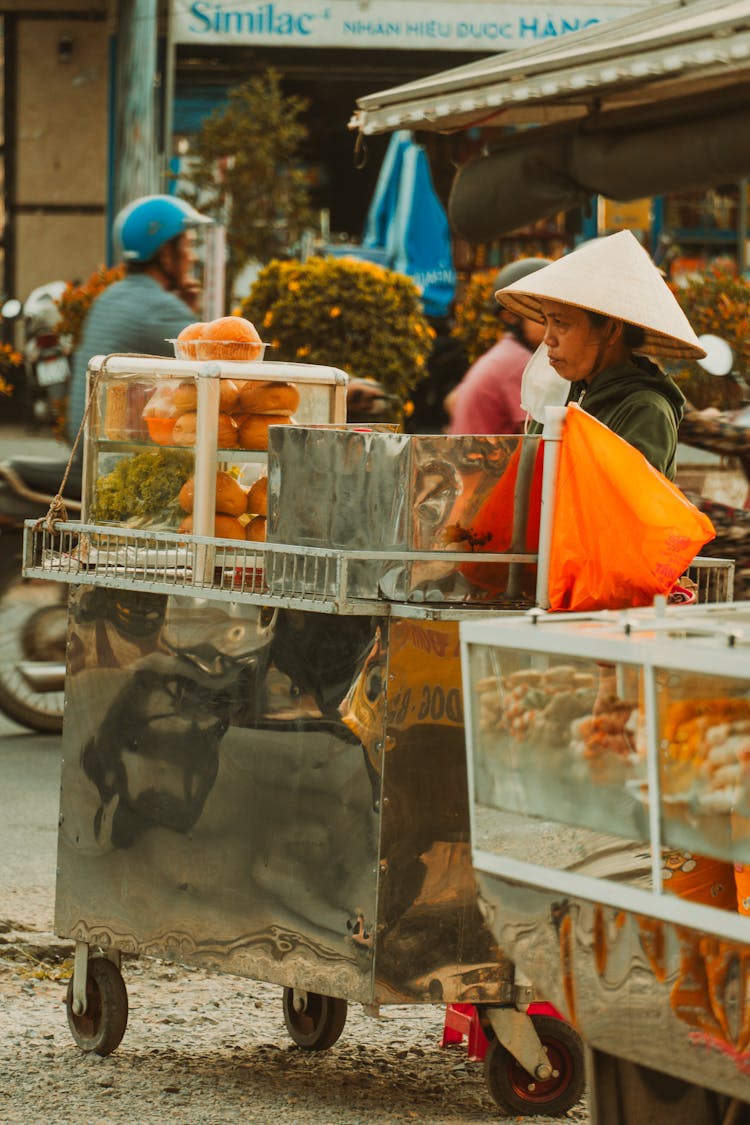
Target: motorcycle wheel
33	623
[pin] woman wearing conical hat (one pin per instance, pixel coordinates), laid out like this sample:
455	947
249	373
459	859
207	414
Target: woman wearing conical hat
606	308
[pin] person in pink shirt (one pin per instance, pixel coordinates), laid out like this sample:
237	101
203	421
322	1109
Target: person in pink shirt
488	398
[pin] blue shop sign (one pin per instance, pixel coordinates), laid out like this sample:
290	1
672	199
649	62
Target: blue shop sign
384	23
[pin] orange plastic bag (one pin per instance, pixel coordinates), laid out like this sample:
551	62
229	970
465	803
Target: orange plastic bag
621	532
493	525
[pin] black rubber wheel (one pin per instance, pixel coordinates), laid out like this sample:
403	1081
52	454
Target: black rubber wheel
31	631
515	1091
319	1024
102	1026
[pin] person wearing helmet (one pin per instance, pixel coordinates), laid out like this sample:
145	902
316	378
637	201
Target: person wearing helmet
605	310
155	300
488	398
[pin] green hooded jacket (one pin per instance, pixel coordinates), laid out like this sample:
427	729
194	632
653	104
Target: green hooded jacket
641	404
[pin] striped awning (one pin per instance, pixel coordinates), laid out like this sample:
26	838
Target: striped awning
662	53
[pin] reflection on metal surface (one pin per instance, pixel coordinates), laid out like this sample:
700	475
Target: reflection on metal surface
432	940
378	491
634	986
243	788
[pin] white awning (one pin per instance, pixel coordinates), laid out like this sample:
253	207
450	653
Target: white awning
665	53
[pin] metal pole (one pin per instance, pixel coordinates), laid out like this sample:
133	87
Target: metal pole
136	171
170	67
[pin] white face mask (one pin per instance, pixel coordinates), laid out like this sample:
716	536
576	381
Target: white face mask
541	386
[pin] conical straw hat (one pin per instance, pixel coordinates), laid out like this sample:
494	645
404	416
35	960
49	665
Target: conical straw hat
613	276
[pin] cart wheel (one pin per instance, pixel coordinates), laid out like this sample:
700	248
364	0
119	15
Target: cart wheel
320	1022
516	1091
103	1024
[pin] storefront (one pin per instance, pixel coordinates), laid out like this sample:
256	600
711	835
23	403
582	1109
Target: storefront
650	110
333	53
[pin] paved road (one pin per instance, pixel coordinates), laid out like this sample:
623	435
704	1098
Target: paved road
29	794
20	440
30	772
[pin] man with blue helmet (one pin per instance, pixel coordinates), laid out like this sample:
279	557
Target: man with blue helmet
155	300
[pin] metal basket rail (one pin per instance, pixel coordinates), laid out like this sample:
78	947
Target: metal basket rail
167	562
714	579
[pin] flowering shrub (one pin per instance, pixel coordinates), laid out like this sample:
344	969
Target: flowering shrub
476	318
717	302
10	361
357	316
77	299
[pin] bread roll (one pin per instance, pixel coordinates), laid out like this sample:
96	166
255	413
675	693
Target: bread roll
256	529
225	527
268	398
257	498
184	429
185	396
228	527
227	432
228	395
254	429
186	497
230	496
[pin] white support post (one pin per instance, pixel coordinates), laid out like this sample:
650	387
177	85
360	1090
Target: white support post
552	437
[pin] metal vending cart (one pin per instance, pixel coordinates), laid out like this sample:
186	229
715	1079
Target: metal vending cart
264	766
609	772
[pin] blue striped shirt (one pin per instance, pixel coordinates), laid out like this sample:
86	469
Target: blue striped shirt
133	315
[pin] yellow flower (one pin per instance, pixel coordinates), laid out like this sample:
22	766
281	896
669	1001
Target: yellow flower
303	350
335	311
293	286
268	319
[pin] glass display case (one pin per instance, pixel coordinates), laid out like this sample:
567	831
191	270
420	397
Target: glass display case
599	744
182	445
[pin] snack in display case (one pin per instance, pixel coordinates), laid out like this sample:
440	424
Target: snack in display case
158	424
577	719
141	489
560	736
705	762
230	338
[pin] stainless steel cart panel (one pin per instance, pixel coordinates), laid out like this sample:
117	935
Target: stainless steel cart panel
244	787
578	840
380	492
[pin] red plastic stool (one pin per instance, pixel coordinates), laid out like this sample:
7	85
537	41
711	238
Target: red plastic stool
462	1022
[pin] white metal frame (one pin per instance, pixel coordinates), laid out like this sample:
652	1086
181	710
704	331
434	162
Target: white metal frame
718	644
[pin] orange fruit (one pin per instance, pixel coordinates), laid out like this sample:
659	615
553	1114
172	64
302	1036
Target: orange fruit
186	348
230	337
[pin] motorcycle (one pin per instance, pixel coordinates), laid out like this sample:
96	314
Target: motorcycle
45	351
33	614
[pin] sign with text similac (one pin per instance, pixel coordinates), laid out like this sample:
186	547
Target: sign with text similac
412	25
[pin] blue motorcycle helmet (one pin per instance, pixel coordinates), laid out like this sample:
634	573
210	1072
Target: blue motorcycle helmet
142	227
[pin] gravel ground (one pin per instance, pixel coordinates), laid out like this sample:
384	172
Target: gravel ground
200	1048
208	1049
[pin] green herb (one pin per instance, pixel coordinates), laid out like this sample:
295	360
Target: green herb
144	487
